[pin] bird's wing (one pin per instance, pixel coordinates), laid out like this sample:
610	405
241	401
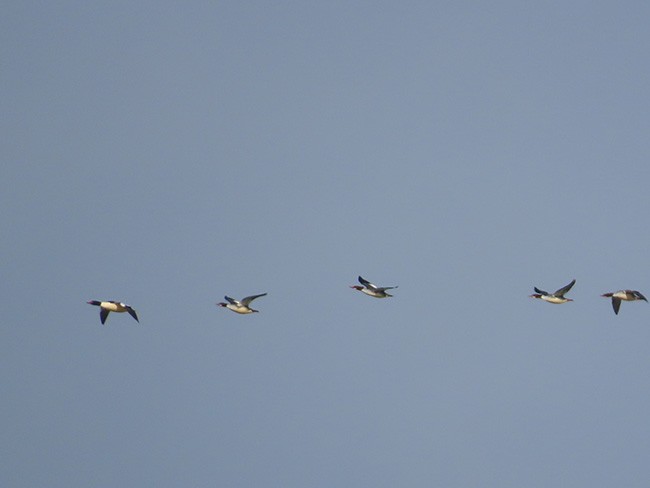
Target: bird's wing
232	301
384	288
564	289
103	313
616	303
640	296
541	292
132	314
245	301
367	284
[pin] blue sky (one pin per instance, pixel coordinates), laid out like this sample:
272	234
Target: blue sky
166	154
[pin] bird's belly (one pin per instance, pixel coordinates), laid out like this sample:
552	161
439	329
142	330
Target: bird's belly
239	309
554	300
372	293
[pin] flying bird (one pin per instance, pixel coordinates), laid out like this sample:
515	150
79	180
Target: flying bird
112	306
627	295
240	306
373	290
555	297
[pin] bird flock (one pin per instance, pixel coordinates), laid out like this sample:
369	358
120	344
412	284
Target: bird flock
243	306
617	296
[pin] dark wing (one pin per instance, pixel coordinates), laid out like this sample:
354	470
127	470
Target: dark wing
367	284
103	313
133	314
245	301
541	292
563	290
231	300
616	303
640	296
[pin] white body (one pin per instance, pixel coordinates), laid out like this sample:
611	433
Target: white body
373	293
552	299
624	295
239	308
113	307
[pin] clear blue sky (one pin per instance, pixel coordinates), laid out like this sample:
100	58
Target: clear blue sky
168	153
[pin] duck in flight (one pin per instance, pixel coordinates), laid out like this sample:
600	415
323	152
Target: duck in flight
240	306
112	306
555	297
373	290
627	295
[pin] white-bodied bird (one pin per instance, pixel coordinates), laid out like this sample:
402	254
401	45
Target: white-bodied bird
627	295
555	297
373	290
112	306
240	306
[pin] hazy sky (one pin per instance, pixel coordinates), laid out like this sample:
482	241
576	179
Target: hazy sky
165	154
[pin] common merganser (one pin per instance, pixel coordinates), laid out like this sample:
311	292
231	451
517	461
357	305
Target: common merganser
556	297
240	306
627	295
373	290
112	306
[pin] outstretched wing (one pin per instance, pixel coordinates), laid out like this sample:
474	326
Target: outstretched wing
616	303
367	284
103	313
563	290
232	301
247	300
541	292
133	314
384	288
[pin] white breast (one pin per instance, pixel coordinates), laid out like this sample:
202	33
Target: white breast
112	307
239	308
550	299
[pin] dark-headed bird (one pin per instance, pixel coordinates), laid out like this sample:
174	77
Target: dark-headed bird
627	295
112	306
555	297
240	306
373	290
